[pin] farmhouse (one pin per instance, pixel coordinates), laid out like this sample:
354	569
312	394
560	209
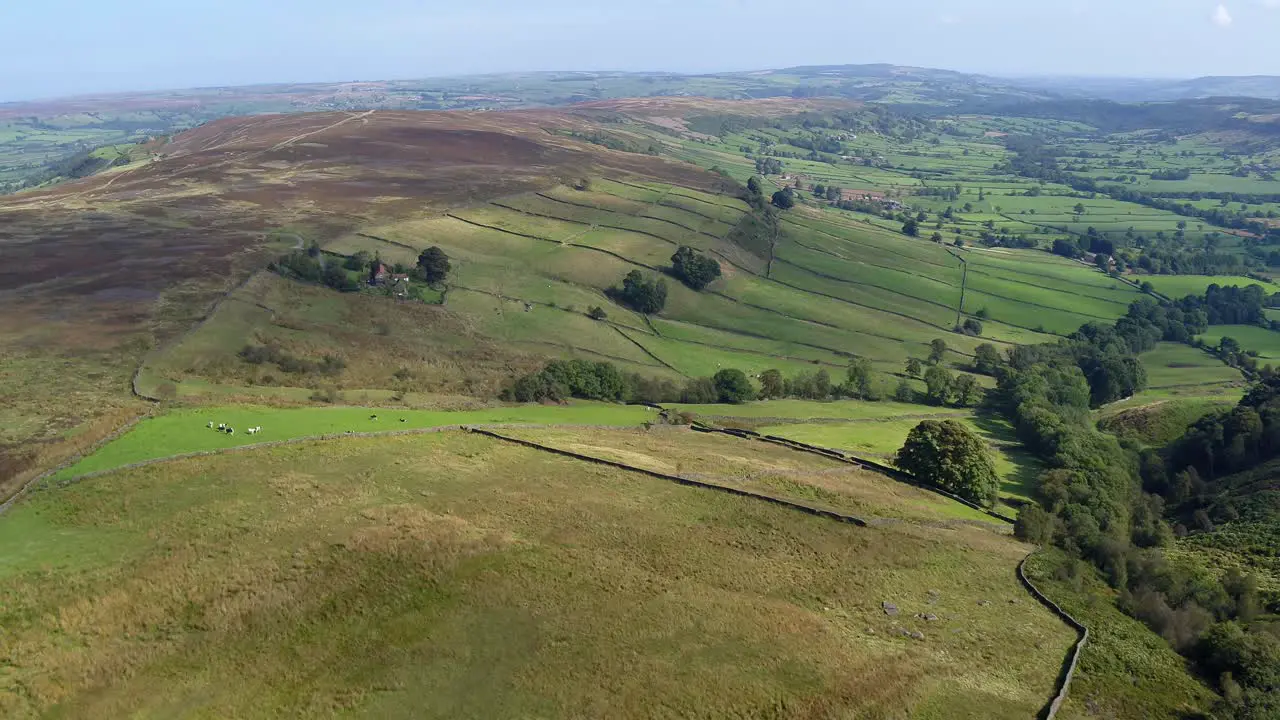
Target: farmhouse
378	274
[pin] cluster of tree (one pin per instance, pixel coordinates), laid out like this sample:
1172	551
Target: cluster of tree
1215	474
1106	504
758	229
693	268
817	143
336	271
1231	305
768	166
313	266
784	199
433	265
831	193
260	354
643	294
561	380
1171	174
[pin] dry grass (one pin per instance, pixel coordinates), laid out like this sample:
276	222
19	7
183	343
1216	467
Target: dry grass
762	467
451	576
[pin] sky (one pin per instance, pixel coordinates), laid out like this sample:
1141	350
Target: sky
54	48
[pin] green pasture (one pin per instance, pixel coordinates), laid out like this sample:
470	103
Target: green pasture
1264	341
184	431
1179	286
1174	365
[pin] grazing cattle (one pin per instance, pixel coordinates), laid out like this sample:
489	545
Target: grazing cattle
222	426
210	425
231	431
252	431
373	417
403	420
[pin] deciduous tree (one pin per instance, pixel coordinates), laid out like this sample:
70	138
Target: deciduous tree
946	454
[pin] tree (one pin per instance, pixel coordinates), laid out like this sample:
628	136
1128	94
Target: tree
1034	525
733	387
700	391
784	199
965	388
914	367
645	295
693	268
939	382
1078	209
337	278
597	313
771	385
937	351
859	379
911	228
946	454
936	237
903	393
986	359
972	326
359	261
434	265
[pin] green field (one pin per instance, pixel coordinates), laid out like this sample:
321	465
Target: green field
454	576
1174	366
186	431
1264	341
1179	286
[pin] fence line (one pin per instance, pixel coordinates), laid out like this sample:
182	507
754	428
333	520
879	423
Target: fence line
809	509
1050	711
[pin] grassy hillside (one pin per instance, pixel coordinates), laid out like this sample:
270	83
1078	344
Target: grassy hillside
528	267
396	577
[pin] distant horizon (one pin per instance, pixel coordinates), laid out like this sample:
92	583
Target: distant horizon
70	48
499	73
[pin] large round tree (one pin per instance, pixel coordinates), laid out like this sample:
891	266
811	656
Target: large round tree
947	454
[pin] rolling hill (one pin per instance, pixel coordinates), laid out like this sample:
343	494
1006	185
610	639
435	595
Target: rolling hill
146	290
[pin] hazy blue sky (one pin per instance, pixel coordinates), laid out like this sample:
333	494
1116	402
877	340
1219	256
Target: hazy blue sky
58	47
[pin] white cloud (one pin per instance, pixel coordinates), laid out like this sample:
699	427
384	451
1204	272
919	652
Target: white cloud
1222	16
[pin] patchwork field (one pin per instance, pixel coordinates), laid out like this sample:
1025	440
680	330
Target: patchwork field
528	267
454	576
